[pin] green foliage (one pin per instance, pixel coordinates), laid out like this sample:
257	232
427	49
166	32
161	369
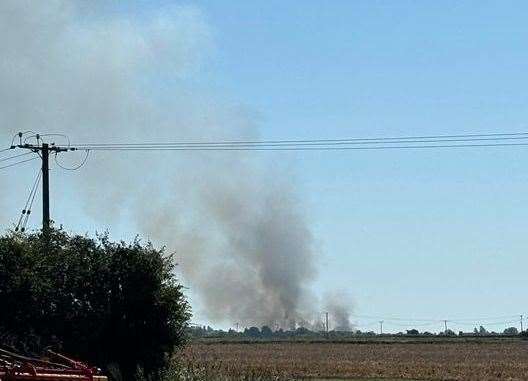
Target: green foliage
511	331
266	331
252	332
116	305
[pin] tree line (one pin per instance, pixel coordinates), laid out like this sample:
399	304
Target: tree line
265	332
115	305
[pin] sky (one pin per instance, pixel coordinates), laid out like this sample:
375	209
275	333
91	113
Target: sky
421	234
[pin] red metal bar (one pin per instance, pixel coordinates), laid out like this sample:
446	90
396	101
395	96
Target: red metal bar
15	367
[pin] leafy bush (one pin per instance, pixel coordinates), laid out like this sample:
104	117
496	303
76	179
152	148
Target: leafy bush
510	331
116	305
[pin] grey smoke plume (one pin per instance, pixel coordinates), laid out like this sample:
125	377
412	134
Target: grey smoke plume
239	231
251	254
338	306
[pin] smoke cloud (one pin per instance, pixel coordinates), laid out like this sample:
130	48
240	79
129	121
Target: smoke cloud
337	305
234	220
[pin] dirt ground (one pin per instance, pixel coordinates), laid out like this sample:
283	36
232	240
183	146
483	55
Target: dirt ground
497	360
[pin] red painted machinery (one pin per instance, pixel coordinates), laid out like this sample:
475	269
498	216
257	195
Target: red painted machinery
15	367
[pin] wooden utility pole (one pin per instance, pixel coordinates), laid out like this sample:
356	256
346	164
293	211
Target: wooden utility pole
44	149
45	188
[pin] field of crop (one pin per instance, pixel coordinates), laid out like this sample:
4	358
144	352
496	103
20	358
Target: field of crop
486	360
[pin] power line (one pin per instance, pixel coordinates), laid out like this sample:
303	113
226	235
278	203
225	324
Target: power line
43	148
477	322
396	318
287	144
38	137
412	320
20	135
24	211
486	318
80	165
410	324
19	162
302	148
31	204
406	142
380	143
24	216
493	136
15	156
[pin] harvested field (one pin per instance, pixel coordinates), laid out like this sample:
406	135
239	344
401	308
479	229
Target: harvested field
487	360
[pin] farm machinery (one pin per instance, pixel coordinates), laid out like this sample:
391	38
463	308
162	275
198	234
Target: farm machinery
56	367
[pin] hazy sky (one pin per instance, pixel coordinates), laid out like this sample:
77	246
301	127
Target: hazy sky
413	234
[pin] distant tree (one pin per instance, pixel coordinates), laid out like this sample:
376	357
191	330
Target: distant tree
302	331
413	332
482	331
266	331
252	332
450	332
94	299
511	331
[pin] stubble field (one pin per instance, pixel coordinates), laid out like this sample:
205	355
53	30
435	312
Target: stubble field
478	360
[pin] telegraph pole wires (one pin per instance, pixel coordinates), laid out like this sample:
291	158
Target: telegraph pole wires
24	216
43	150
9	161
381	143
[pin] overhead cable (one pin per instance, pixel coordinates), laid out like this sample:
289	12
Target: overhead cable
18	162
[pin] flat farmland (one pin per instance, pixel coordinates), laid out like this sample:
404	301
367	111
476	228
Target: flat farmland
447	360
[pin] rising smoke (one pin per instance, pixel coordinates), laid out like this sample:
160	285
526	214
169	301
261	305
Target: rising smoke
337	305
239	232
